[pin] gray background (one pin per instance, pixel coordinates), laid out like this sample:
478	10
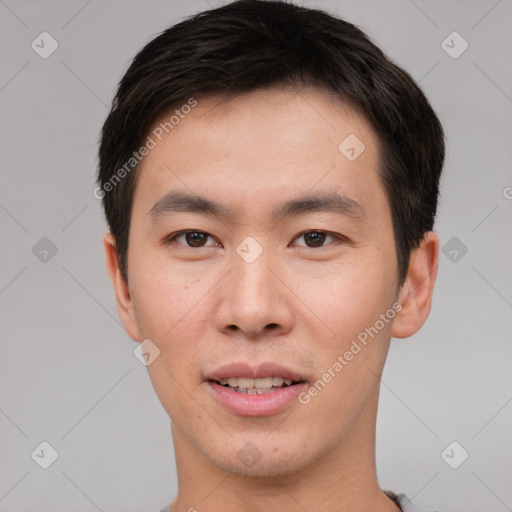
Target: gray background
68	373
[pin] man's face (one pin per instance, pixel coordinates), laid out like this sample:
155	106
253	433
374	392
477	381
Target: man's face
294	290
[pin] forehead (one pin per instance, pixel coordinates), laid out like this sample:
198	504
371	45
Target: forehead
260	146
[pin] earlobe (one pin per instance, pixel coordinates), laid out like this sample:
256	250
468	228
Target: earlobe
121	290
416	293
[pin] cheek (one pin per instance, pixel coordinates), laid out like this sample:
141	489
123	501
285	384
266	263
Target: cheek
171	314
166	302
350	302
349	296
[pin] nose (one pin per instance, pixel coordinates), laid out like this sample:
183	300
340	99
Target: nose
254	302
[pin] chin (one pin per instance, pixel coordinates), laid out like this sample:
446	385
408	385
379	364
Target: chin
265	461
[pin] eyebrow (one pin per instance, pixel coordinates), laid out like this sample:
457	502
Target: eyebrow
180	202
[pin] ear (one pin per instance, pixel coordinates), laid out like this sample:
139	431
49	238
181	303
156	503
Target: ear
123	299
415	296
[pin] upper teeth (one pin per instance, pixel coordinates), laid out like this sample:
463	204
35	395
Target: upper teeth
260	383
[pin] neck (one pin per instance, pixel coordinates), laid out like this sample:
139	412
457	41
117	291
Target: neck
342	479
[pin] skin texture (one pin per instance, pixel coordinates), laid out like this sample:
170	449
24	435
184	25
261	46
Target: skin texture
298	305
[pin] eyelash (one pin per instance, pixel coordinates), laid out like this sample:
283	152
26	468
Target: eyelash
173	237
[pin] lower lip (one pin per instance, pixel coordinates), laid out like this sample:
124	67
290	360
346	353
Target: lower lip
256	405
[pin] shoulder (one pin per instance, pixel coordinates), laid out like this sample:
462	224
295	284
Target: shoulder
404	502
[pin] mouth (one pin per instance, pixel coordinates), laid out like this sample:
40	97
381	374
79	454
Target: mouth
264	390
258	386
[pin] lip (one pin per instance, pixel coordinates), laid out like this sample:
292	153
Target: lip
255	405
243	369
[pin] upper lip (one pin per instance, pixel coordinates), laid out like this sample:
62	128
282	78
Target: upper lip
244	369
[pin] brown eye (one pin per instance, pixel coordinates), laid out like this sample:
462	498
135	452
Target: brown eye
191	238
314	238
195	238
